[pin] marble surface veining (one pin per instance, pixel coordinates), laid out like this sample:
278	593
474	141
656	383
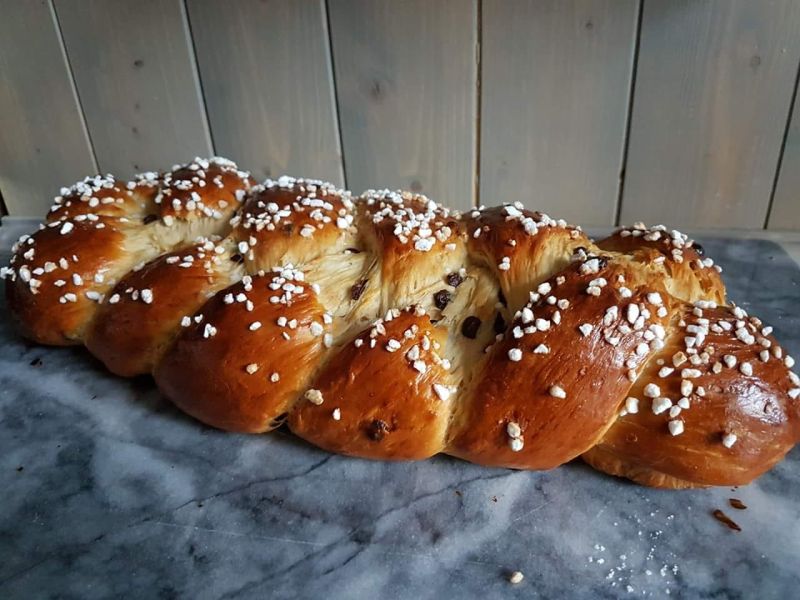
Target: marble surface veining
108	491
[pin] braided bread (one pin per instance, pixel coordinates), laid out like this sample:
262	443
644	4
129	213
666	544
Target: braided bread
389	327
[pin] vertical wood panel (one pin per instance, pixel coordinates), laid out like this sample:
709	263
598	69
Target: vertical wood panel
43	143
406	87
785	213
713	88
266	74
137	82
555	84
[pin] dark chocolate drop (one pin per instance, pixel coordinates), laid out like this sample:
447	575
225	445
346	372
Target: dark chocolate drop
454	279
499	324
470	327
358	289
442	298
376	430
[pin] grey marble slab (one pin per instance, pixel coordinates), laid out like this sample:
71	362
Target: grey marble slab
108	491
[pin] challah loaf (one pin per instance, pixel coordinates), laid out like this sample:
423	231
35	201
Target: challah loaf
389	327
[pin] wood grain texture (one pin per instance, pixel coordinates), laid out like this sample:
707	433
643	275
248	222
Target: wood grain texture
785	212
137	82
43	143
406	88
266	74
713	88
555	85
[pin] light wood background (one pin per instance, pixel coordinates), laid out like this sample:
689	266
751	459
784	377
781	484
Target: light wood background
598	111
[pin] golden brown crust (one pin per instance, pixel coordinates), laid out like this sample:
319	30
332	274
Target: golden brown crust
100	229
691	275
143	313
293	221
210	188
415	240
60	273
105	196
235	375
521	247
601	459
405	418
561	372
724	398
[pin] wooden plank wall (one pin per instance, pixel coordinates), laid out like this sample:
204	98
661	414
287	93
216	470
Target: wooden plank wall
43	141
406	76
713	88
555	89
134	69
785	213
268	85
598	111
